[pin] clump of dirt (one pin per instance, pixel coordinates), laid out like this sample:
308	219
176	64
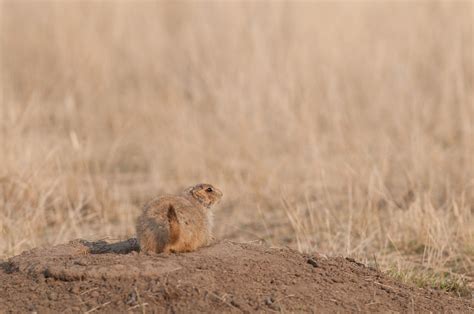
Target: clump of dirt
86	276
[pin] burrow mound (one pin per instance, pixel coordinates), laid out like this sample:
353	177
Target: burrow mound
227	277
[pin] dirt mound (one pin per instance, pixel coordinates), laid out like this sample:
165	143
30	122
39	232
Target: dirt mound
230	277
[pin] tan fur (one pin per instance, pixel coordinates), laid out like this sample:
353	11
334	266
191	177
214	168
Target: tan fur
178	223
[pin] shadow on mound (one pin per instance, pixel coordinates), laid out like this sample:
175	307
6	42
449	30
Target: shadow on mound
7	267
102	247
225	277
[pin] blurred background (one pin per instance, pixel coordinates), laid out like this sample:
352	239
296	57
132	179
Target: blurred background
343	127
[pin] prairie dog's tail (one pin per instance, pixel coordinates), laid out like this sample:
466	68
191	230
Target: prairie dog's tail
174	225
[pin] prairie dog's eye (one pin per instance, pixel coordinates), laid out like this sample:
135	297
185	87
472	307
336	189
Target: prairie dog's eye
209	190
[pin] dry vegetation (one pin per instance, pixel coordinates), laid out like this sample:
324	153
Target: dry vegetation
345	128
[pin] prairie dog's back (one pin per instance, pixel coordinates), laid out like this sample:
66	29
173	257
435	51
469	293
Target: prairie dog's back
178	223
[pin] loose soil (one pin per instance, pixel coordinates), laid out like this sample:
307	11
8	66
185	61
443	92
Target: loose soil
86	276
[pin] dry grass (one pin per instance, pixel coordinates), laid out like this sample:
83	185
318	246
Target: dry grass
345	128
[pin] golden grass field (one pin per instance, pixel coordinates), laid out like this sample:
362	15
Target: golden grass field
340	127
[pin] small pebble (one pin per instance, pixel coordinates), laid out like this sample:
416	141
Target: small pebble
312	262
52	296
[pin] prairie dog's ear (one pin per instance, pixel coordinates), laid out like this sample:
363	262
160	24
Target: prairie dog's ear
195	192
189	190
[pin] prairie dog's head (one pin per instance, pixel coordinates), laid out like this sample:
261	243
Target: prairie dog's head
205	194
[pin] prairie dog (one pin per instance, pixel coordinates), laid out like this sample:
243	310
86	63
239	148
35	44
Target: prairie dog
178	223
